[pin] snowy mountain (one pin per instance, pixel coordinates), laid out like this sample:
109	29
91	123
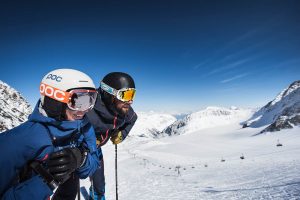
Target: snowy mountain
150	124
14	109
283	112
210	117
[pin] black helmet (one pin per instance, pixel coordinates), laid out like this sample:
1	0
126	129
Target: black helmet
119	80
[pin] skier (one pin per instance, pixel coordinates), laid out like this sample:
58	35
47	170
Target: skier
56	142
112	118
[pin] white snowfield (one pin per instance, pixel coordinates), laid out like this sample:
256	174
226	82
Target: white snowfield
188	166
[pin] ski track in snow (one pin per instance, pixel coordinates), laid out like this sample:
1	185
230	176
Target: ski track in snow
147	171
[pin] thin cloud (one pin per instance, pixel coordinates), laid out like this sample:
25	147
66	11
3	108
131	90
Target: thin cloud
234	78
201	64
241	38
235	64
230	66
287	63
247	49
225	48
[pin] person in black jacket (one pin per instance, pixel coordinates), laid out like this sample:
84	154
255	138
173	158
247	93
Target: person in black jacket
112	118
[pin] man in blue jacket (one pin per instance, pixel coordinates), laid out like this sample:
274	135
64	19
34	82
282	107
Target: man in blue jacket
56	143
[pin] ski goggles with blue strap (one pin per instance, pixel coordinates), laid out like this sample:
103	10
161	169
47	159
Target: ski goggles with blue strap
124	94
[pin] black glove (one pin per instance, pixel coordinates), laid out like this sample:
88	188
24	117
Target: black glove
61	164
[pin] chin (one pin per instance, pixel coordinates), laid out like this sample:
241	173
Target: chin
77	117
124	111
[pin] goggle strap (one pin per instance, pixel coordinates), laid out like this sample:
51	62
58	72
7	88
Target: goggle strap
54	93
108	89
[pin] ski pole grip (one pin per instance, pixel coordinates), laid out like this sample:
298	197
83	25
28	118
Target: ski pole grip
48	178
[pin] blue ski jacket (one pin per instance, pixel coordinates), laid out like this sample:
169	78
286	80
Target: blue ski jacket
35	140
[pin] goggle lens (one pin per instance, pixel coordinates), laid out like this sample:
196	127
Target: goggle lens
82	100
126	95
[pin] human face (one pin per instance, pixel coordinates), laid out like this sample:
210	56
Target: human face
123	107
74	114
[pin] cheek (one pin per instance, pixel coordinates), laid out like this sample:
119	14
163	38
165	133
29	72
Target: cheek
69	115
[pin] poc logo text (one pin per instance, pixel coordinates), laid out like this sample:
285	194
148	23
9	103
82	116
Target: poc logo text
54	77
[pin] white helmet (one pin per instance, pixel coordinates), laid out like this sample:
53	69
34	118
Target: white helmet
55	87
61	80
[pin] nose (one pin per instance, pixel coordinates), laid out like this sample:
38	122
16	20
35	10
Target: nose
129	102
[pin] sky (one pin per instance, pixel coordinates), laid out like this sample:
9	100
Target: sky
183	55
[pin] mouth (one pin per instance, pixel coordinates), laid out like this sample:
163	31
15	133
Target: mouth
125	107
78	116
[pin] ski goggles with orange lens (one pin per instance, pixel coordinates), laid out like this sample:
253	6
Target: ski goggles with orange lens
81	99
124	94
77	99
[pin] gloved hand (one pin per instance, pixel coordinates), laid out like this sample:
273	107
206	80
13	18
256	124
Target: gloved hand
61	164
116	137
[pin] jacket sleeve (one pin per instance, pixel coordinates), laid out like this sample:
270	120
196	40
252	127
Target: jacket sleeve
92	161
33	188
130	121
30	143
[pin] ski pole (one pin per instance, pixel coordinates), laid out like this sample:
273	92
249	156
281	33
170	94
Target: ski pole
116	170
78	189
92	186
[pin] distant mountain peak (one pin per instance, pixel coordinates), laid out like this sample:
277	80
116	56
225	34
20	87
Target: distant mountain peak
292	87
208	118
14	109
150	124
281	113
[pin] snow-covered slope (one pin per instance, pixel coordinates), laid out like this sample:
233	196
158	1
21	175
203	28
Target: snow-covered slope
210	117
150	124
282	112
14	109
190	167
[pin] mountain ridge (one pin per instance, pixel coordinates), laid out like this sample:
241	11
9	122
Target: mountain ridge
14	108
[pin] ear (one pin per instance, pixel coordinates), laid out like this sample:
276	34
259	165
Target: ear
114	99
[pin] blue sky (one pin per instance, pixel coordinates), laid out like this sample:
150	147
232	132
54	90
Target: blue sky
183	55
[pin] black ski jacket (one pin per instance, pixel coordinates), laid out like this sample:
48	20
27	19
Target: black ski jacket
105	122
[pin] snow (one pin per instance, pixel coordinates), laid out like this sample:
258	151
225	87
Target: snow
207	118
148	122
287	103
294	86
14	109
174	167
187	165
